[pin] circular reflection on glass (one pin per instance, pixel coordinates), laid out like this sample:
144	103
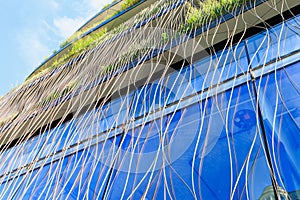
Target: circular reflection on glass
245	119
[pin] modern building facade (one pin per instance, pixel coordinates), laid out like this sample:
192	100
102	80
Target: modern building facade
161	108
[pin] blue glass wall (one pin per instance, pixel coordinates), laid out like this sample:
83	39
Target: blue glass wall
280	100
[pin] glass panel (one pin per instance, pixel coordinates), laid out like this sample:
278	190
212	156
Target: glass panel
39	183
274	43
279	100
82	175
66	134
54	139
9	188
149	98
229	148
206	72
182	156
21	154
85	173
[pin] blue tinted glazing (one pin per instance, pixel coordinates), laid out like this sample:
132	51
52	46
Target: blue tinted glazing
229	63
27	152
274	43
7	188
229	143
226	145
279	99
149	98
36	184
81	175
84	175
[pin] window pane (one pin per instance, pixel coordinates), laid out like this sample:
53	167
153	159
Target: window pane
279	99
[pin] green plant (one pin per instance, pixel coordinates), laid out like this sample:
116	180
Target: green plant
208	10
80	46
63	44
109	4
165	38
58	94
90	41
108	68
106	6
127	3
53	96
69	87
78	34
112	15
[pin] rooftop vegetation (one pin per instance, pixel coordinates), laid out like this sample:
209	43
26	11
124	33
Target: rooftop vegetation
109	4
59	93
124	5
198	14
208	10
81	44
127	3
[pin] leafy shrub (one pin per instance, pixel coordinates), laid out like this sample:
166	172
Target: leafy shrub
109	4
106	6
107	69
80	46
208	10
127	3
97	36
53	96
165	38
62	45
58	94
